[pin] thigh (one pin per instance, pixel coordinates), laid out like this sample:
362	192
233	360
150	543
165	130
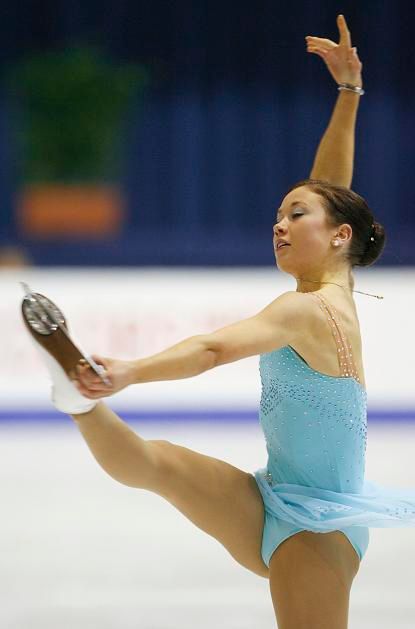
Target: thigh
311	575
219	498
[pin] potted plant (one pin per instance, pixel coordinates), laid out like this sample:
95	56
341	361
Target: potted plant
70	110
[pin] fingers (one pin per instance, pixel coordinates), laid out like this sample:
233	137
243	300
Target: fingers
327	44
320	50
352	56
87	377
354	61
104	365
88	384
320	41
84	371
89	393
344	32
317	49
100	360
319	45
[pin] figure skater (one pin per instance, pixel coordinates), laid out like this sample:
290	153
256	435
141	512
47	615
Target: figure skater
302	521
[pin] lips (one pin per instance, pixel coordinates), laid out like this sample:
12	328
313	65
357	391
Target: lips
281	245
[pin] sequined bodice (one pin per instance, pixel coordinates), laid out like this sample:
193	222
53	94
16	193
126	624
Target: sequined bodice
315	425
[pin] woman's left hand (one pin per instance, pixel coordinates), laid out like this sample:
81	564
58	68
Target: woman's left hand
341	59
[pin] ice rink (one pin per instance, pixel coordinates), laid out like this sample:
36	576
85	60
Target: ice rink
79	551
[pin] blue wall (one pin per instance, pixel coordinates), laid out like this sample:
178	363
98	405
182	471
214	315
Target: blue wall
232	118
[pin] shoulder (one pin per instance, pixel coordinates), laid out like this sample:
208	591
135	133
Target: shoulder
293	306
292	312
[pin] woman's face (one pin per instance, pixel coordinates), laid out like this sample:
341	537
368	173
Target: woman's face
302	222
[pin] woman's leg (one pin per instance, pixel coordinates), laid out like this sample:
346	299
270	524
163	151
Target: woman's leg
311	575
220	499
124	455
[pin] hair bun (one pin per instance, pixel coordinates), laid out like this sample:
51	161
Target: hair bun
375	245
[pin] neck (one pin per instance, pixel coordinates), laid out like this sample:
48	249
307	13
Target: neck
309	282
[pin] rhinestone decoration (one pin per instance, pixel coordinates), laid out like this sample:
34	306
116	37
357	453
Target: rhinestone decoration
344	349
315	425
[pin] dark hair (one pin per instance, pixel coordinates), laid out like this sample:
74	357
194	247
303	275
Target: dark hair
345	206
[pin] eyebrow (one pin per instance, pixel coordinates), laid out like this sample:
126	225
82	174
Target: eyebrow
291	205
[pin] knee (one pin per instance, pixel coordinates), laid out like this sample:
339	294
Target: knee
163	454
161	449
141	469
170	466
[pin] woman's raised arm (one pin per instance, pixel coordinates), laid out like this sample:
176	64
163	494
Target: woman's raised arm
335	154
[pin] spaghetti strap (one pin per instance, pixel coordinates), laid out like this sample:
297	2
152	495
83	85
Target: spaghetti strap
344	348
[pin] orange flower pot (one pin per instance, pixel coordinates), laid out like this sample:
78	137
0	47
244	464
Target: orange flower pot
49	211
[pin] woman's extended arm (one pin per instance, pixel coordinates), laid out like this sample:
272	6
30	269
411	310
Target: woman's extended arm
277	325
335	154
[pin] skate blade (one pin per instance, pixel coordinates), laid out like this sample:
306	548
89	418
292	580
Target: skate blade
44	317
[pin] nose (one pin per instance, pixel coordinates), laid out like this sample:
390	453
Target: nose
279	229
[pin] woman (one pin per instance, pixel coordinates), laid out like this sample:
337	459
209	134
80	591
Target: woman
313	406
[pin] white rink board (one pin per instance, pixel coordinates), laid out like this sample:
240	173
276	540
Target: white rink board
130	313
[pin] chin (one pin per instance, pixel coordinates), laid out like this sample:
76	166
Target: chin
283	266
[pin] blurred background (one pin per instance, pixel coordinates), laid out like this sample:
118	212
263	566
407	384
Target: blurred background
144	147
184	122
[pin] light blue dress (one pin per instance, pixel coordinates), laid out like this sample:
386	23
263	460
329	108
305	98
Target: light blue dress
315	426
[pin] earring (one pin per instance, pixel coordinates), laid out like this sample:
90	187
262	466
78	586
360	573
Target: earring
336	243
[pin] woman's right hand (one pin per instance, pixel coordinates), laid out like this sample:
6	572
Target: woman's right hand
119	374
341	59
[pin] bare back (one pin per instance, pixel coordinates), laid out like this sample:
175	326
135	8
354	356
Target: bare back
316	344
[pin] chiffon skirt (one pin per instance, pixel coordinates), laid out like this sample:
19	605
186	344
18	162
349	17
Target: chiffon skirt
319	510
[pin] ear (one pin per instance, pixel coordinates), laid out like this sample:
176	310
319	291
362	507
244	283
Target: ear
344	233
